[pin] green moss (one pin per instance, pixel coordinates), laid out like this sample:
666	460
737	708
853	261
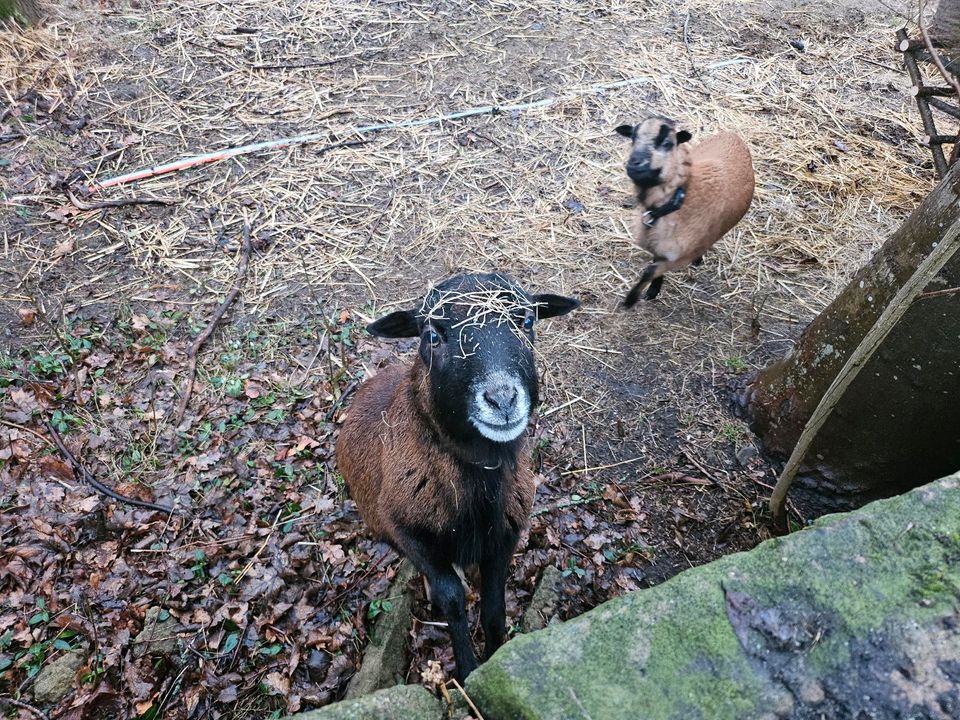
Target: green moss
671	651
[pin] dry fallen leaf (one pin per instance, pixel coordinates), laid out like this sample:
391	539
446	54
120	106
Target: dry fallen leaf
65	247
57	468
27	316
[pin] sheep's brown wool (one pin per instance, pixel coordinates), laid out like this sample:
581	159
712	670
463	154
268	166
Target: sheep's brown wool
433	452
717	181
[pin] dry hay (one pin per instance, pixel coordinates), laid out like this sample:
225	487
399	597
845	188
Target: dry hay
831	130
817	93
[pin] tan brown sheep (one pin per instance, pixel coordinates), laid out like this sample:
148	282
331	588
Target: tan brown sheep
689	196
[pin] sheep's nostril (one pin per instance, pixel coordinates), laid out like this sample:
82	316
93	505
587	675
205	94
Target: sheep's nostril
503	398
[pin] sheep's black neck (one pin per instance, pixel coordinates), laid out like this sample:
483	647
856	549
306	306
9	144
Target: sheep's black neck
651	215
473	451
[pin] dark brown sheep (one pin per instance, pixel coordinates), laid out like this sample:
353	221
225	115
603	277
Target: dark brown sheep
434	452
689	197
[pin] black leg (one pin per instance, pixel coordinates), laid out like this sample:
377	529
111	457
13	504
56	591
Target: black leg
634	293
493	607
446	594
654	288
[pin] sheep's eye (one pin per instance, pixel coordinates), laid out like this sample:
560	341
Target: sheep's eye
528	322
667	145
433	337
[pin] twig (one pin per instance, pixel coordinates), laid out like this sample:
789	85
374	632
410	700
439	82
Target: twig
24	706
895	310
339	401
701	468
80	205
197	160
693	65
24	428
467	698
940	293
211	326
92	481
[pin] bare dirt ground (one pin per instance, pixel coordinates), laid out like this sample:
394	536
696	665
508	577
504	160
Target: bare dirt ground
644	470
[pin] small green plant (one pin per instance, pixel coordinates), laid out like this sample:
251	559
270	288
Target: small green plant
271	650
735	363
573	569
48	365
731	433
199	566
378	606
42	615
230	644
96	670
64	421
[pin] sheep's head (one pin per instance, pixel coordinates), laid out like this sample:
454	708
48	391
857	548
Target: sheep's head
653	157
476	341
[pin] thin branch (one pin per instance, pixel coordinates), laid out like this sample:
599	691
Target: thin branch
24	706
339	401
211	326
198	160
80	205
940	293
204	159
925	272
92	481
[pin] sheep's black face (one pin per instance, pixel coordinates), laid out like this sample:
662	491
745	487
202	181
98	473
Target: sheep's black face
476	340
652	155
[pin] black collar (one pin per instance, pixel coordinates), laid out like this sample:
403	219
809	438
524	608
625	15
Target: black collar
651	216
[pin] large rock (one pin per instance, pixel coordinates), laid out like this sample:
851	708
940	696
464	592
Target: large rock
385	659
856	616
401	702
56	679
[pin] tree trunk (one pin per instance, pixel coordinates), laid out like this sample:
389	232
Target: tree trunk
898	423
943	23
25	11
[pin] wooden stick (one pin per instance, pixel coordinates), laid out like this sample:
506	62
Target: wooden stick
944	107
197	160
935	56
339	401
930	91
925	272
207	331
929	127
80	205
467	698
939	139
940	293
24	706
92	481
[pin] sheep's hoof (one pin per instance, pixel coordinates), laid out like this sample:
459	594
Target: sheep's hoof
654	288
631	299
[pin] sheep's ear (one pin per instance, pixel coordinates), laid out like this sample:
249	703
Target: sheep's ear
683	136
552	305
399	324
625	130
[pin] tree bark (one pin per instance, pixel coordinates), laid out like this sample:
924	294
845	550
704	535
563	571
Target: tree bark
898	423
943	23
25	11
